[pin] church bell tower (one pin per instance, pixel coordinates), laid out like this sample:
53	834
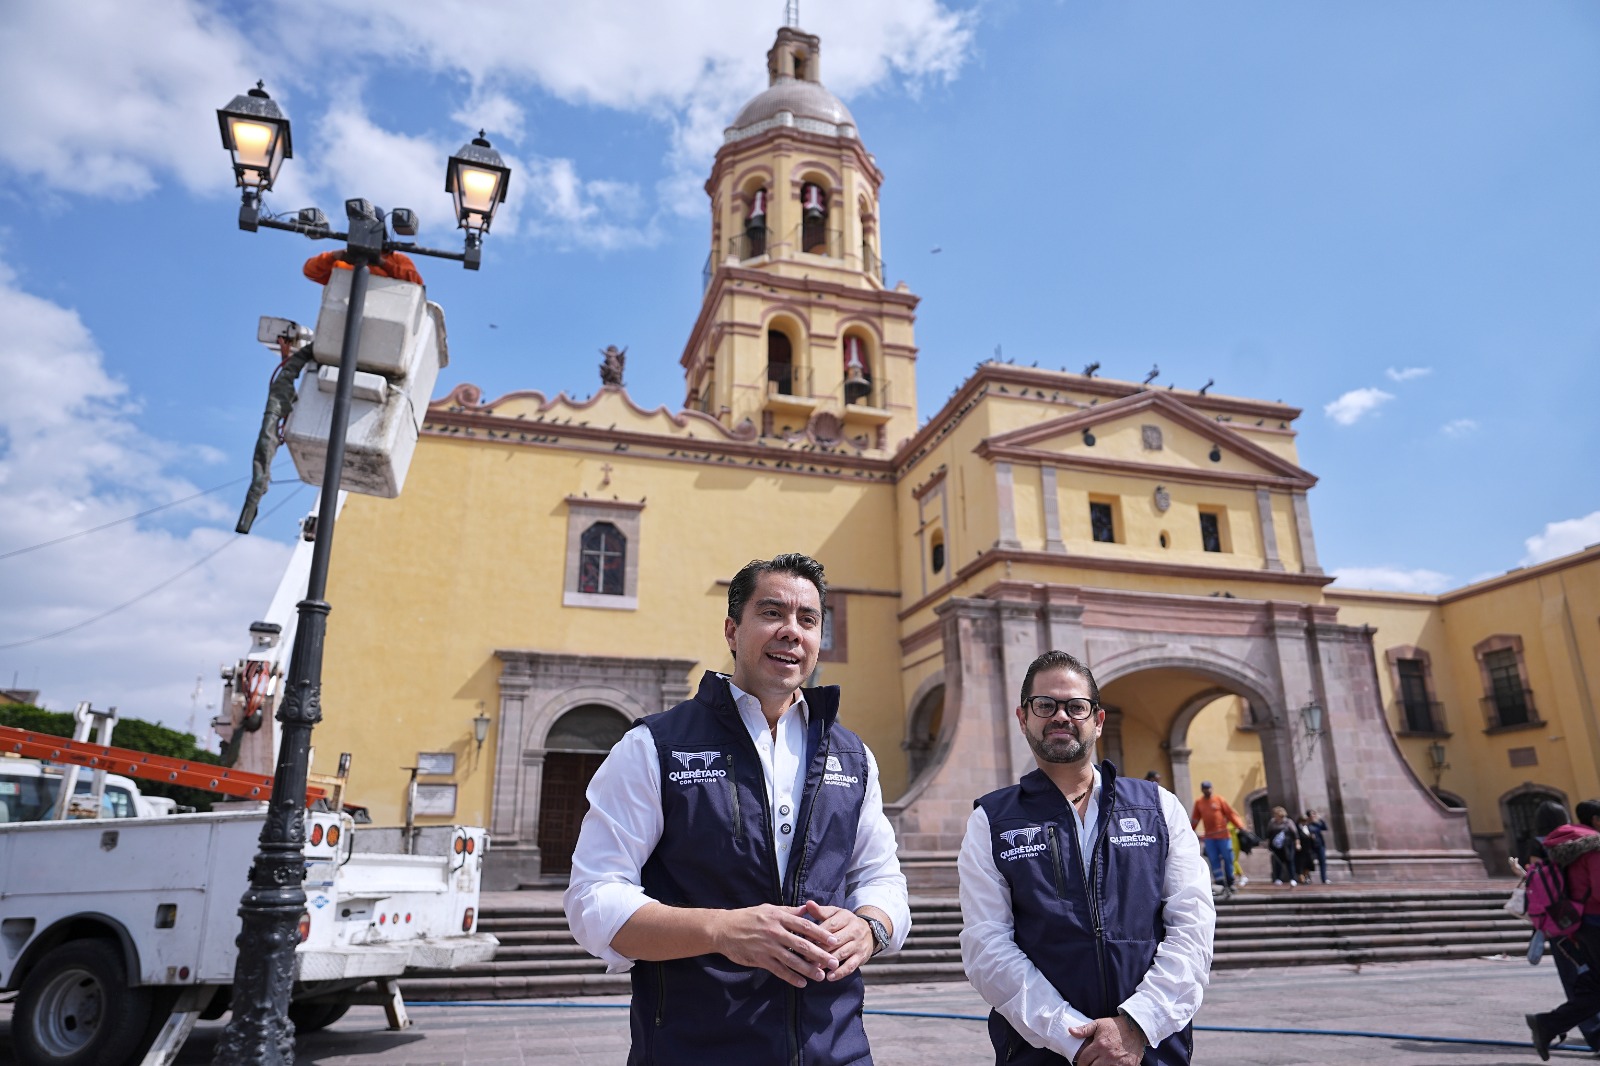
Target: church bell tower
798	337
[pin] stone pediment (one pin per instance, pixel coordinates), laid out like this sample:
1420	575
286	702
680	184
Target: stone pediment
1148	432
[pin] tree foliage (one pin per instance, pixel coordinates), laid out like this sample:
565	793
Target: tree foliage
133	733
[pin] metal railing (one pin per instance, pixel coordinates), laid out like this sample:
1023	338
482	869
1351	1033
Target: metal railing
786	379
1419	716
1510	707
869	394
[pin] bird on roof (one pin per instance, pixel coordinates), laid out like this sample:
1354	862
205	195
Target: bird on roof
1155	369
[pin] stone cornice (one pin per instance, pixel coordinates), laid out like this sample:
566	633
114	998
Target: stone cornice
735	153
1020	442
995	556
889	301
1038	456
995	375
449	418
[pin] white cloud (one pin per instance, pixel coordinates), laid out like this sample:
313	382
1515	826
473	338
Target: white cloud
107	102
107	98
1408	373
1356	404
1391	579
1562	538
71	457
1459	427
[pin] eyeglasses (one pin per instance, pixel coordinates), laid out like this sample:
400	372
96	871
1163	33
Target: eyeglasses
1077	708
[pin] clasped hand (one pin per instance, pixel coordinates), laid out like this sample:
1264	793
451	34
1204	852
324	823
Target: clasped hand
796	944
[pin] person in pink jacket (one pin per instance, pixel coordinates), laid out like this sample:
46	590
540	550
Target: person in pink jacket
1576	849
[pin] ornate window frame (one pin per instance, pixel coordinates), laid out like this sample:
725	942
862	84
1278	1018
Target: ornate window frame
1392	657
1504	642
583	512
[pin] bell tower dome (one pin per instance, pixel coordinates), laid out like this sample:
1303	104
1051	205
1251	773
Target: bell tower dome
797	330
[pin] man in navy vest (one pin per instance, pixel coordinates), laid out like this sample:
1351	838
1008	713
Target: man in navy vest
736	857
1086	904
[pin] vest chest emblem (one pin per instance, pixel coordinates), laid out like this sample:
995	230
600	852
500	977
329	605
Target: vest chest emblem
697	766
1022	843
834	774
1131	835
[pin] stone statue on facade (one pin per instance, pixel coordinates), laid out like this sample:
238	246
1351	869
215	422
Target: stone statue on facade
611	369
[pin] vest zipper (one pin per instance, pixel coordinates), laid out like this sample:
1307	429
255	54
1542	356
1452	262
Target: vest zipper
1094	903
733	789
1055	862
805	831
661	995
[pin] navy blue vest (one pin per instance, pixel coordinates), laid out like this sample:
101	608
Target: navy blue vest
716	850
1094	938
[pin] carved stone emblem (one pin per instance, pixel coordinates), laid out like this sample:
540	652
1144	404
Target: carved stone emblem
1151	436
1163	497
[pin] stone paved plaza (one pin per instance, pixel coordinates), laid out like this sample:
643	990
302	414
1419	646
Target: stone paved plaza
1480	999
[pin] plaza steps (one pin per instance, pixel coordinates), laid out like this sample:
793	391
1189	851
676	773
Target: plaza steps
1269	926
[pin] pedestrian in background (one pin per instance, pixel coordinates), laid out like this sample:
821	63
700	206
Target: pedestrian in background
1283	838
1213	815
1316	828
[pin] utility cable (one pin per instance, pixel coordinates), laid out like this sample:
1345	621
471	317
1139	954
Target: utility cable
129	518
224	546
1252	1029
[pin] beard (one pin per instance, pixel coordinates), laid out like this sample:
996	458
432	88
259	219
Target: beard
1060	748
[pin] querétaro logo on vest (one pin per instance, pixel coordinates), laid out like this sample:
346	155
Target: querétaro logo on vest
835	774
1020	842
1131	836
691	772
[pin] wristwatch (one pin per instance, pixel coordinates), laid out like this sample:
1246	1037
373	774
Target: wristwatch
880	935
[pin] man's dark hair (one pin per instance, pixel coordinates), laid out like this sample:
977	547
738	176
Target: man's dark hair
1548	816
1587	811
743	585
1058	660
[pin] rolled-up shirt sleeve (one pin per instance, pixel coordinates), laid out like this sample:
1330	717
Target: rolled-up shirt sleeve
1169	996
874	878
619	833
1005	977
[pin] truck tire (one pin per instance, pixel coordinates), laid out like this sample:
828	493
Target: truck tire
309	1017
76	1009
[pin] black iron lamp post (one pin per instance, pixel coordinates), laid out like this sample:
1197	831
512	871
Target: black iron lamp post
256	132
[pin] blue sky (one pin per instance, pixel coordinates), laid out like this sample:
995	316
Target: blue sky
1382	213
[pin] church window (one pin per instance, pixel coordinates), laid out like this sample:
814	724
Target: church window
1102	523
1414	701
936	553
603	555
602	563
780	363
1210	534
814	215
835	641
1506	694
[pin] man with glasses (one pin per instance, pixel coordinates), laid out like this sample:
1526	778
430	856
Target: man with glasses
1086	905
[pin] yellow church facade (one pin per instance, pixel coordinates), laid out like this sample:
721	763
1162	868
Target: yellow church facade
558	568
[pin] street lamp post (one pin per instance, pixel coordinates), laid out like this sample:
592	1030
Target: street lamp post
256	132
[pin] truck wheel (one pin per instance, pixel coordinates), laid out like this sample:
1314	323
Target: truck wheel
309	1017
76	1009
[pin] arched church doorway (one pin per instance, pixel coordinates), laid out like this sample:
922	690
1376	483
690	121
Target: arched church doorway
576	745
1519	806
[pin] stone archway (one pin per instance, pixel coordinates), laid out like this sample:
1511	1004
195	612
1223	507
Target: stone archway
1280	656
575	747
537	692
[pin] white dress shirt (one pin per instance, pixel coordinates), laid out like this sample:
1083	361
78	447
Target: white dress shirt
1168	996
624	824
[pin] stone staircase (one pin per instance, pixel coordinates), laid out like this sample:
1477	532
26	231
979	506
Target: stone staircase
1270	926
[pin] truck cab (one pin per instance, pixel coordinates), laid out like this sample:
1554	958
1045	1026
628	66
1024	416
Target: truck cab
30	789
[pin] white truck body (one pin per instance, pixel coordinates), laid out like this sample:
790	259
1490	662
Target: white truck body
165	892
